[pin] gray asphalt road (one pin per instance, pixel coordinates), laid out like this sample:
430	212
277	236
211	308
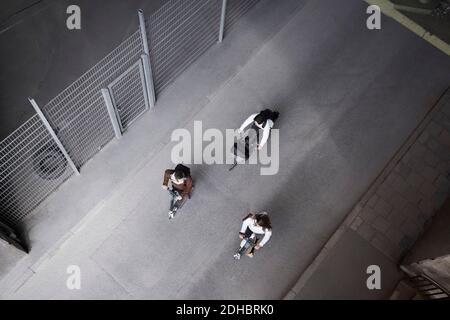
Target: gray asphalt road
348	98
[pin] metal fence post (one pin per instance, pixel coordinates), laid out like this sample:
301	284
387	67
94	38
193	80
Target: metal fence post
222	19
53	134
112	114
149	84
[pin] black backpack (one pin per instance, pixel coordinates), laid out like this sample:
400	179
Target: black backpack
184	169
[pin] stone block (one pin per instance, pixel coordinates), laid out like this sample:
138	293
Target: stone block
430	174
403	169
382	207
366	231
415	180
431	159
427	189
380	224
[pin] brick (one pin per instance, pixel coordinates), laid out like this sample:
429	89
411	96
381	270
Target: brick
431	159
444	138
446	110
384	191
444	153
372	201
381	224
403	169
428	189
396	218
433	145
442	183
417	150
356	223
368	214
390	179
406	157
382	207
398	202
394	234
430	174
366	231
411	211
434	128
412	195
415	180
417	164
423	137
443	167
443	120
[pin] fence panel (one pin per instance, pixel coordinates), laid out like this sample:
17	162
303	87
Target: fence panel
31	168
128	97
179	32
78	114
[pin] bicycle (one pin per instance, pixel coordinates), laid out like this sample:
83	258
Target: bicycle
244	147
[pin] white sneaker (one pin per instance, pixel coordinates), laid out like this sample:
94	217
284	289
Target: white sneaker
171	215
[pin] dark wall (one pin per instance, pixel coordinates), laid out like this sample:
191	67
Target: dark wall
39	56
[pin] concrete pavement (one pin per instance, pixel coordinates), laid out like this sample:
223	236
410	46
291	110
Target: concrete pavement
348	99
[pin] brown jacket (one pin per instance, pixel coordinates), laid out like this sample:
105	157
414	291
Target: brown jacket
184	188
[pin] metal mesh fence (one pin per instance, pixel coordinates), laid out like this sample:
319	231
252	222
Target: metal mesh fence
236	9
31	167
78	114
179	32
128	95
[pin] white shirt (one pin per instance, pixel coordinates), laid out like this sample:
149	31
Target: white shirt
251	223
266	132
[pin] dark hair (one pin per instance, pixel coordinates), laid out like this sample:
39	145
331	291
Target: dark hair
179	174
263	220
265	115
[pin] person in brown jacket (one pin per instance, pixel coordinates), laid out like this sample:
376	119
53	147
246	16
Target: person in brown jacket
180	186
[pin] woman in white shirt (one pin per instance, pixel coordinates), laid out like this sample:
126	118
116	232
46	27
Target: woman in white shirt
263	120
258	224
